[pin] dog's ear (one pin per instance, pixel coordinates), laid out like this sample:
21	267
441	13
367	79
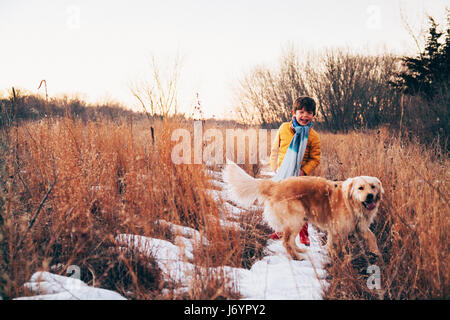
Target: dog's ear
381	186
348	185
350	190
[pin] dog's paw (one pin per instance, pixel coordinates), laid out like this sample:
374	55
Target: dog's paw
298	257
300	250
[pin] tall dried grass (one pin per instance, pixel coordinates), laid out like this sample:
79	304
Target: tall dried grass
412	225
104	178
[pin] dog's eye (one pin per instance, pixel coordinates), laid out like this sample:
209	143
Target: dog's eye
361	188
373	187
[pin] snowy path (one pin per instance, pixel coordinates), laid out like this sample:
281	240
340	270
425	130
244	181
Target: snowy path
275	277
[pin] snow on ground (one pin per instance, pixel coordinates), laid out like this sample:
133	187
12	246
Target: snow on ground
275	277
185	232
174	261
278	277
49	286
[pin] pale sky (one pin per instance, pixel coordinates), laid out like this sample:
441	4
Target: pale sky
95	48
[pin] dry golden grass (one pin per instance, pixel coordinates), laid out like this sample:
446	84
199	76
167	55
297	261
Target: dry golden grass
105	178
413	221
111	178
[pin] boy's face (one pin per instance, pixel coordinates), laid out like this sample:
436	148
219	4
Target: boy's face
303	117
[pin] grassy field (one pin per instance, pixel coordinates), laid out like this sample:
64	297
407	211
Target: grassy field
412	225
69	187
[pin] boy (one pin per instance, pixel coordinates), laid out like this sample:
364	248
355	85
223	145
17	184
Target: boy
303	112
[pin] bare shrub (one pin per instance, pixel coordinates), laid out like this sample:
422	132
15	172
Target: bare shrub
265	95
351	90
158	94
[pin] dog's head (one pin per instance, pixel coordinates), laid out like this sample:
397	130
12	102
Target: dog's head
365	191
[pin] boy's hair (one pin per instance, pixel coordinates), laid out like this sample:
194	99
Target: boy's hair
306	103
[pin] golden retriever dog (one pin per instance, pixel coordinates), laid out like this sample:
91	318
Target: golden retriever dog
339	207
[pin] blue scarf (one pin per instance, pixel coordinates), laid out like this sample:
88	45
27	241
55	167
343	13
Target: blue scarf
294	155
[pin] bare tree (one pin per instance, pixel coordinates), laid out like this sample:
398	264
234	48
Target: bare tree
158	95
265	96
351	90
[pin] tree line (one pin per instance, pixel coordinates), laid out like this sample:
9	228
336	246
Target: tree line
355	91
20	106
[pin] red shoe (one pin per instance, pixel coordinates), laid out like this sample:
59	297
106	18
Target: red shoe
303	234
276	235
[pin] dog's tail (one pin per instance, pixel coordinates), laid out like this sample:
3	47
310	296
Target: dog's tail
245	189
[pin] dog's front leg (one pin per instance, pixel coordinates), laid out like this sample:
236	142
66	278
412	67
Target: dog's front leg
371	241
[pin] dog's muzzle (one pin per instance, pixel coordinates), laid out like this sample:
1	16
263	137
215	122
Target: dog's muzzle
369	204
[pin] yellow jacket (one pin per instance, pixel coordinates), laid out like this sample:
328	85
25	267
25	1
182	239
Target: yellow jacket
311	159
